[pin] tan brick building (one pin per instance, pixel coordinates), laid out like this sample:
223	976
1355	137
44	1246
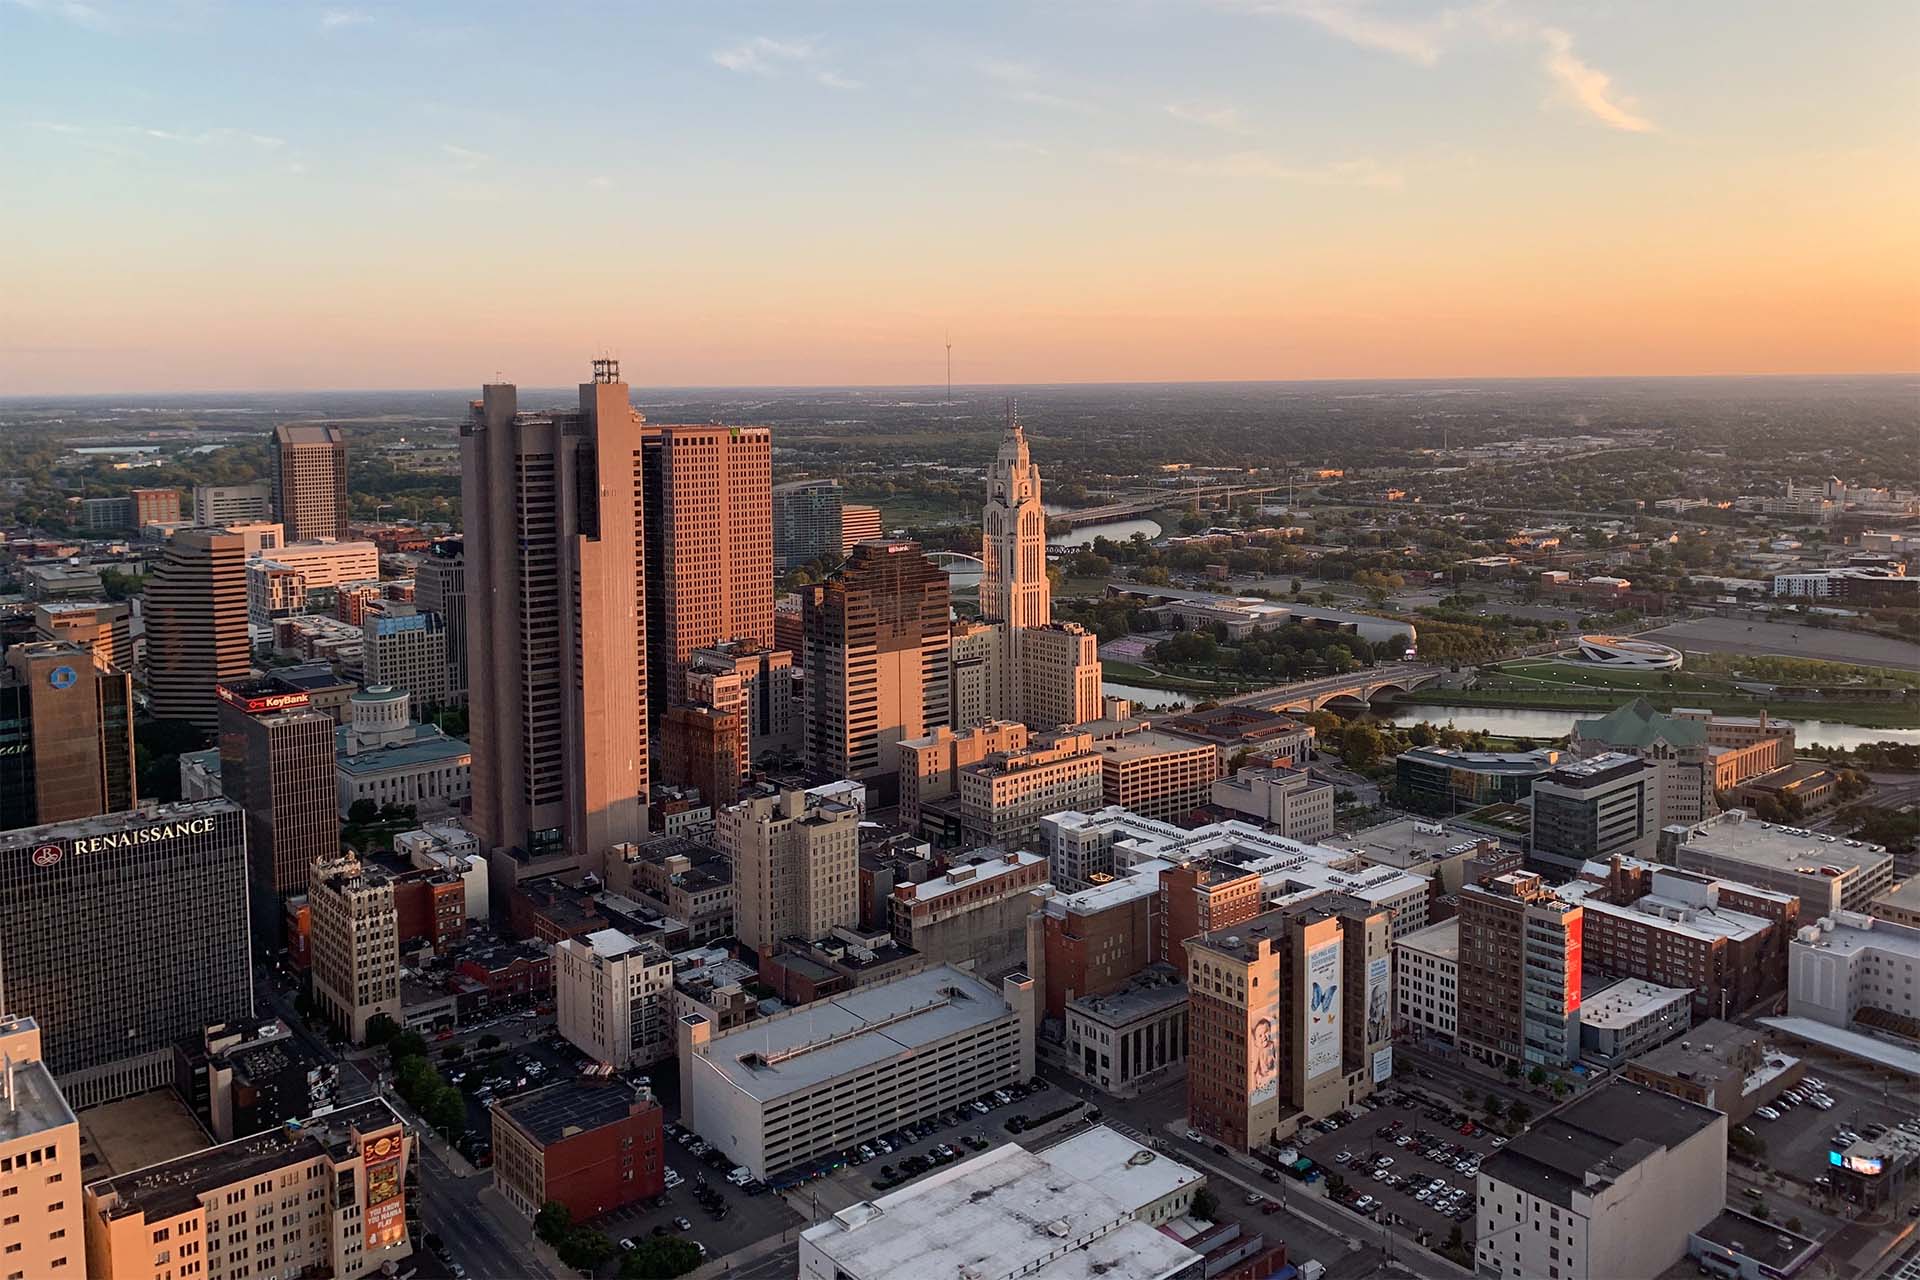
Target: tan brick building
41	1231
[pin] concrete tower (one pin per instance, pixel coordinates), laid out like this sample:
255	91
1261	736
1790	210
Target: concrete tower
1014	587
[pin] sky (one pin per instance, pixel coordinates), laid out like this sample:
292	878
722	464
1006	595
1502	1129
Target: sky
209	195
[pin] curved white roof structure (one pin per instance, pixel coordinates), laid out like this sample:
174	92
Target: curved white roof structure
1615	651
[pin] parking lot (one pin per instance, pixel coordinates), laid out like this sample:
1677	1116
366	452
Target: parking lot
1798	1142
1411	1158
727	1218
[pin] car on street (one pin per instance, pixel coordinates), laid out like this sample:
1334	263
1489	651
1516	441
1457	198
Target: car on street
682	1224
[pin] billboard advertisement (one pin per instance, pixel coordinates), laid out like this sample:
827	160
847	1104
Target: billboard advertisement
1379	999
1263	1051
1383	1065
1323	1009
385	1208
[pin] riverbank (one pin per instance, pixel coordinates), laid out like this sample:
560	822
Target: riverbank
1864	714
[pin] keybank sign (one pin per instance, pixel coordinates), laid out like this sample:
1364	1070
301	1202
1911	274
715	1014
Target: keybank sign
145	835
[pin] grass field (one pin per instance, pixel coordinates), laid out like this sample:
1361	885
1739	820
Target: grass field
1877	715
1148	678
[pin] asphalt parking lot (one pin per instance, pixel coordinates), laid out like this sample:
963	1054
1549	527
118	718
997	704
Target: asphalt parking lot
1376	1135
748	1217
1798	1142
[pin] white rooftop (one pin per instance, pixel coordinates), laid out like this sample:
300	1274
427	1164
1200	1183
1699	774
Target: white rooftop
1440	940
1627	1001
1673	915
968	875
1736	835
1852	931
1007	1212
1285	866
1120	1167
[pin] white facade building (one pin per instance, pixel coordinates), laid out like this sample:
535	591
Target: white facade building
1426	974
614	998
1848	963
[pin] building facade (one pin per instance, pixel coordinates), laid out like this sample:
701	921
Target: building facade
591	1147
195	606
1290	801
66	736
225	504
1825	872
440	585
704	747
91	938
858	524
277	763
1588	810
103	628
1426	982
796	863
614	998
757	684
806	523
1003	797
1849	968
308	466
355	940
405	647
1519	973
1157	775
974	916
556	635
42	1231
930	767
1443	781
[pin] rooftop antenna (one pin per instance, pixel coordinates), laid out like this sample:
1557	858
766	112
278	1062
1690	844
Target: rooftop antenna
949	368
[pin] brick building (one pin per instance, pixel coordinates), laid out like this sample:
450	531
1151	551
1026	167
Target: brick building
591	1146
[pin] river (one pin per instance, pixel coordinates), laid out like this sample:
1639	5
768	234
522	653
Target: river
1113	530
1528	722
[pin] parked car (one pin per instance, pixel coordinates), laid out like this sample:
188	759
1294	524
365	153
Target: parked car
682	1224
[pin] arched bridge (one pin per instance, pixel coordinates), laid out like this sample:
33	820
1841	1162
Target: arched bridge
956	561
1356	688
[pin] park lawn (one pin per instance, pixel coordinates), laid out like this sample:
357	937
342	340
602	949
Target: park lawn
1867	714
1575	676
1080	588
1147	678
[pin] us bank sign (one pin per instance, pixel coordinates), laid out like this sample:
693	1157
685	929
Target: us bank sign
145	835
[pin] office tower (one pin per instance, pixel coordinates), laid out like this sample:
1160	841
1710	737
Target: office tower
328	563
104	630
703	746
124	934
709	550
858	524
930	772
155	506
225	504
66	736
405	646
806	523
274	591
277	764
322	1196
41	1231
99	515
974	692
1059	675
796	861
195	605
1520	955
876	654
1013	586
1289	1018
440	584
556	635
613	998
355	941
755	681
309	473
1587	810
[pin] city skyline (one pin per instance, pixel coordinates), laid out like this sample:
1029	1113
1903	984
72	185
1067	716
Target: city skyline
825	195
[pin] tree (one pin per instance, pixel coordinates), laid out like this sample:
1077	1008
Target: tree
1205	1204
489	1041
1494	1105
1521	1113
1513	1071
660	1258
446	1111
1795	1225
1537	1076
408	1044
381	1028
1361	746
552	1222
584	1249
362	813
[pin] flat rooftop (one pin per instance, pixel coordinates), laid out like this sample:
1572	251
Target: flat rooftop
1154	989
1110	1162
1770	845
1767	1243
852	1031
1604	1135
613	944
1520	763
968	875
1146	743
1708	1051
429	746
1904	896
1242	941
568	1108
1005	1212
1592	771
1440	940
147	815
1671	915
1626	1002
38	1106
1411	842
1851	931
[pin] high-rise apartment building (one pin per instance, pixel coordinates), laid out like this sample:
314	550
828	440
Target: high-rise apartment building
42	1234
876	654
124	934
103	629
322	1196
224	504
709	547
1155	774
796	866
277	756
155	506
1587	810
405	646
1003	796
1519	972
858	524
556	634
973	673
308	466
806	523
66	736
195	606
704	747
440	584
1289	1018
354	941
613	997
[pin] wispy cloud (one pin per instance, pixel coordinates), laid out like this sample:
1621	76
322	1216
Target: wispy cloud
1225	119
1026	83
74	11
199	138
465	157
761	54
1418	40
1261	166
834	80
333	19
1590	88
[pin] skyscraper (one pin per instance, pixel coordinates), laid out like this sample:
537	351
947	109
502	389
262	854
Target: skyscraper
806	522
796	861
876	660
1013	585
196	613
709	547
309	471
277	763
66	736
556	628
103	629
440	584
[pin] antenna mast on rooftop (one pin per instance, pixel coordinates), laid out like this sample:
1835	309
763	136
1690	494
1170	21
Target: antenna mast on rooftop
949	368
